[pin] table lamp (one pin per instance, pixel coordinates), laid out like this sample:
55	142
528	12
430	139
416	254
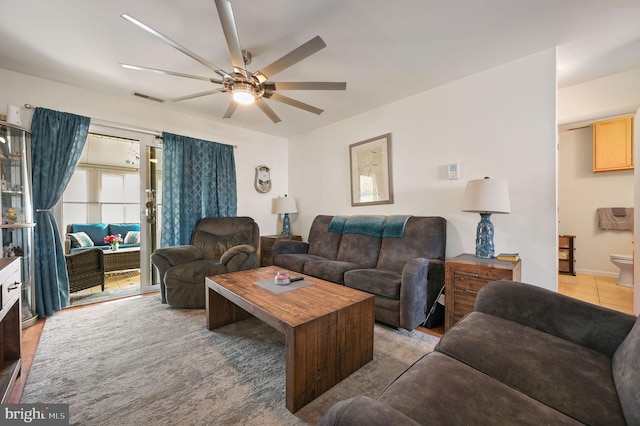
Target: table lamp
284	206
486	196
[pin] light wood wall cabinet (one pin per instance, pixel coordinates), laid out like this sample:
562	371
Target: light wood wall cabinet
613	144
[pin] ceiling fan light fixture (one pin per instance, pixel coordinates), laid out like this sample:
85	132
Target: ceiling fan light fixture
243	93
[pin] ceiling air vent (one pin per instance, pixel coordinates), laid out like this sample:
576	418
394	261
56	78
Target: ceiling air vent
151	98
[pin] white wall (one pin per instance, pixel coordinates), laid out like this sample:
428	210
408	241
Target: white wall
580	193
499	123
618	94
253	148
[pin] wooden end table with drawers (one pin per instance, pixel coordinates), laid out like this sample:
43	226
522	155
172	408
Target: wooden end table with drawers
465	275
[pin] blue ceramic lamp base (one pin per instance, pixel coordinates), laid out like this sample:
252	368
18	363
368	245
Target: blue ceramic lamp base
286	225
484	237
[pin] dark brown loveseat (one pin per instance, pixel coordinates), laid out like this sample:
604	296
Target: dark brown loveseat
399	259
525	356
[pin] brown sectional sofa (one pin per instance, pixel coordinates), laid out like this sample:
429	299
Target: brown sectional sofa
399	259
525	356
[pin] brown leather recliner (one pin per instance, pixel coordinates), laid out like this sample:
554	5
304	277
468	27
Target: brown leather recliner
218	245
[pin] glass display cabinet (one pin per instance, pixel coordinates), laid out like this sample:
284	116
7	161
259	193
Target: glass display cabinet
17	209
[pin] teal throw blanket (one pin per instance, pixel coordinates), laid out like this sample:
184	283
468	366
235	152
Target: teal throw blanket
337	224
365	225
394	226
375	226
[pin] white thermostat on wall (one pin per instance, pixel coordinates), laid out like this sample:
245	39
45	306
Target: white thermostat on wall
454	171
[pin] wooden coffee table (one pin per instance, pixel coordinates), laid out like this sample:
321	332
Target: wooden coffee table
328	327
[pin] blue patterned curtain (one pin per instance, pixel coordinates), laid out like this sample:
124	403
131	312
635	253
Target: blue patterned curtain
198	180
56	144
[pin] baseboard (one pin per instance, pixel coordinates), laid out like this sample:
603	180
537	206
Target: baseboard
598	273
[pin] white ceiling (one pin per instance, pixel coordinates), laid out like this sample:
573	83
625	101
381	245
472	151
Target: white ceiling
385	50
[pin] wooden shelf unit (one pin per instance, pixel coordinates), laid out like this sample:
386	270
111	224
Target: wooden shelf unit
566	254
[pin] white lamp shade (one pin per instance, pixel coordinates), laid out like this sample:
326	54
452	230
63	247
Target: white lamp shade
486	196
286	205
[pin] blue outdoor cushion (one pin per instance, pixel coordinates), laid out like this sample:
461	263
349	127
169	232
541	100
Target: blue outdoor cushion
123	228
80	239
95	231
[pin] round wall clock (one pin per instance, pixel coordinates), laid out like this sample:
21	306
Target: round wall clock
263	179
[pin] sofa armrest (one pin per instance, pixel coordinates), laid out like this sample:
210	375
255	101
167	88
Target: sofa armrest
178	254
413	293
583	323
362	410
289	247
239	258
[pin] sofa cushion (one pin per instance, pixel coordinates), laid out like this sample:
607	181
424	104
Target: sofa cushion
363	410
323	243
359	249
213	246
568	377
375	281
328	270
95	231
452	393
123	228
132	237
192	272
626	373
80	239
295	262
423	237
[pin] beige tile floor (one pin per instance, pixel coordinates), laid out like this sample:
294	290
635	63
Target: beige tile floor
116	285
598	290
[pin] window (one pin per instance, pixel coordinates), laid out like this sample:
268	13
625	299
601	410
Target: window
105	187
97	195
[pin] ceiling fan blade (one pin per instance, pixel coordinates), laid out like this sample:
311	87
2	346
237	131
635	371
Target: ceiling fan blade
225	12
296	55
293	102
173	44
230	110
198	95
305	85
177	74
267	110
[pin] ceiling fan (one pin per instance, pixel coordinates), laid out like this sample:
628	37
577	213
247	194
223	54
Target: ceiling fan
244	86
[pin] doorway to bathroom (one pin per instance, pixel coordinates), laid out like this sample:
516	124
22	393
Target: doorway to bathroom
581	192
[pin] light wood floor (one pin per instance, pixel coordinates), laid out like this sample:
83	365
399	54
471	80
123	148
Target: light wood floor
601	291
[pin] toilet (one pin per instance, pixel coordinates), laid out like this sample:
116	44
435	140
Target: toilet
625	263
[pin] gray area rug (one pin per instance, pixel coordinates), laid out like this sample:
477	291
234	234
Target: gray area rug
137	362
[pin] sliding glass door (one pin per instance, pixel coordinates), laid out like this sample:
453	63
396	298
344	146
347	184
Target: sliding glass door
152	213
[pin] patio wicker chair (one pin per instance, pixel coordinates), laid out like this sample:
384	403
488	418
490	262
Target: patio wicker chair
85	269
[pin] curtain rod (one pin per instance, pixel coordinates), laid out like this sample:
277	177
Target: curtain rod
120	126
114	125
